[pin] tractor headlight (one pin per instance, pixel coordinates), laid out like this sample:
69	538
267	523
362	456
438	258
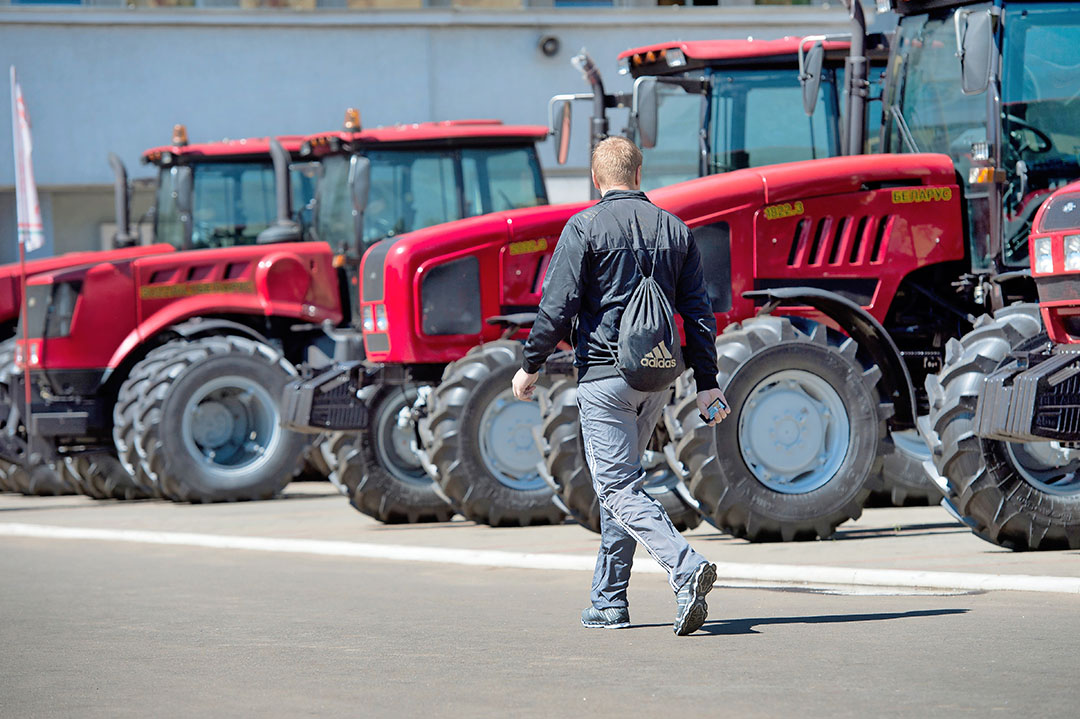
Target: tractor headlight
1044	259
1072	252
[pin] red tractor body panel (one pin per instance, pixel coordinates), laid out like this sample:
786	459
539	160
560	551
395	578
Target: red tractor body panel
717	51
456	130
123	304
225	148
829	223
11	294
1057	226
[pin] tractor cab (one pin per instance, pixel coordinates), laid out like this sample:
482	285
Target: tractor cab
996	86
706	107
222	194
386	181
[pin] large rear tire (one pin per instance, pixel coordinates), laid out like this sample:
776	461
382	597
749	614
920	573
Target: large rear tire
103	477
209	425
378	470
126	426
480	439
1017	495
799	454
564	462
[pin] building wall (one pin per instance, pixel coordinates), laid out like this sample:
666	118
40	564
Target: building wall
100	80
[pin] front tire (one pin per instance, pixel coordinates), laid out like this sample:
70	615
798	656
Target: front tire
799	454
209	425
480	439
1014	494
378	470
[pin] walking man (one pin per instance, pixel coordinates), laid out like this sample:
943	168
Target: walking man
597	265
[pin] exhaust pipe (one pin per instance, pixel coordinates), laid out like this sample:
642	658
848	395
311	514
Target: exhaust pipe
284	228
858	73
124	236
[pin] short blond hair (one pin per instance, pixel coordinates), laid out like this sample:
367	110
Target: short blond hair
615	161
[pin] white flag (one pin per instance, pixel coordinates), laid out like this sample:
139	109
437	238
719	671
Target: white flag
28	211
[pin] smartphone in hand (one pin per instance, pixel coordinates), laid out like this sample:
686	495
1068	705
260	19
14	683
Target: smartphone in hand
715	406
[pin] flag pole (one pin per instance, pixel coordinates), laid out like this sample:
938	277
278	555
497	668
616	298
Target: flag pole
30	231
26	359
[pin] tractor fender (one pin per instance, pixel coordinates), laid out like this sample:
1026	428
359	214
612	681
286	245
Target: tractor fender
867	331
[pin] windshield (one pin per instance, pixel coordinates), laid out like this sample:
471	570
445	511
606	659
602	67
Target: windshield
754	118
1040	113
232	203
412	189
501	179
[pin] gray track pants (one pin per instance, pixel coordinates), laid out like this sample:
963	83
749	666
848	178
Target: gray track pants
616	423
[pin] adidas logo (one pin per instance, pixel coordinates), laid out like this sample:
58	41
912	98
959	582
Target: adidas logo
659	357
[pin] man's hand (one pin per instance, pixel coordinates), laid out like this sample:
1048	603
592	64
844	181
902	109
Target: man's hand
706	398
525	384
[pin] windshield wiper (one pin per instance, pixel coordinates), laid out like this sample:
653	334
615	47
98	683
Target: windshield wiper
902	125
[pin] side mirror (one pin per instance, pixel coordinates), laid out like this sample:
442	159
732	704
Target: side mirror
646	110
975	46
810	75
561	131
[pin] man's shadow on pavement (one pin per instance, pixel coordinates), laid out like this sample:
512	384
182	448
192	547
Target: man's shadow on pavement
727	627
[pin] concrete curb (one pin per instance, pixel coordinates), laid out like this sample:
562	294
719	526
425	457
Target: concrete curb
775	574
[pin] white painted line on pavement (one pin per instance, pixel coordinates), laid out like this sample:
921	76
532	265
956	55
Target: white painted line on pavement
790	575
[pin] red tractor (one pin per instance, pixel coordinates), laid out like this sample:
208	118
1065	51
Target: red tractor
872	263
172	364
1004	409
379	468
224	187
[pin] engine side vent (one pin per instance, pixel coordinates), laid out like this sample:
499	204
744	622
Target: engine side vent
797	242
814	256
884	225
857	241
837	240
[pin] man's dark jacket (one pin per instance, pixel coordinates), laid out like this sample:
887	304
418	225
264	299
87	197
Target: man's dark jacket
592	275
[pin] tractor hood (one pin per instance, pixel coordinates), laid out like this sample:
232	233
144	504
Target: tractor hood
10	294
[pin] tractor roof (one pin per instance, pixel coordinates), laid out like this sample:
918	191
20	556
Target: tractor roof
701	53
445	132
167	154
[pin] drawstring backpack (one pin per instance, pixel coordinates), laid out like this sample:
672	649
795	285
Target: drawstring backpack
647	355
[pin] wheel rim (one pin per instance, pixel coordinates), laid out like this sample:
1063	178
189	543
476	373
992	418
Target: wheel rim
393	442
793	431
658	476
1047	466
506	442
230	427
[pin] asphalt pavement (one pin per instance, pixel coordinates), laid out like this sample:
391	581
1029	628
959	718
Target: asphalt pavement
154	609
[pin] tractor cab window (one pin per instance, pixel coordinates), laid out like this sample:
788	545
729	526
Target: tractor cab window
756	119
334	221
925	111
1040	114
232	203
168	225
677	154
501	179
410	190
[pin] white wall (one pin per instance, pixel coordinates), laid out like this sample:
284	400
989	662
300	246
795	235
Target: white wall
113	80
